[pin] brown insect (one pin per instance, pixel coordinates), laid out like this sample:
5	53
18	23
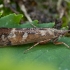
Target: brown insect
16	36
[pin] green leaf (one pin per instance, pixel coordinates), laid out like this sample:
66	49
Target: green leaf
1	13
10	21
41	57
28	24
35	23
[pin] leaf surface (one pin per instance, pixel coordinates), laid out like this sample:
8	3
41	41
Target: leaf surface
41	57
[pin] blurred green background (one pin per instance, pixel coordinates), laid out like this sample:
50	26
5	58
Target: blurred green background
41	57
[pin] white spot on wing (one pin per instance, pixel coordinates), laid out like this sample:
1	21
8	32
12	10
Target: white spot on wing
43	32
50	31
25	36
13	30
12	34
3	37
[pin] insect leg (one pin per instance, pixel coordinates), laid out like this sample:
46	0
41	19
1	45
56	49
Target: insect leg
61	43
36	45
55	41
31	47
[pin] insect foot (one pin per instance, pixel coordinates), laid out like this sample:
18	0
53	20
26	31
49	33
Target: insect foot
62	43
